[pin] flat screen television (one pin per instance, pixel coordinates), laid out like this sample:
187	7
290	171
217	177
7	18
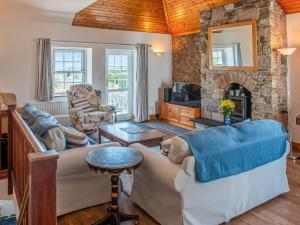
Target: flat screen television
186	94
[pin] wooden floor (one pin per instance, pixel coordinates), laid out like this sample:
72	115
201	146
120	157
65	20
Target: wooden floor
283	210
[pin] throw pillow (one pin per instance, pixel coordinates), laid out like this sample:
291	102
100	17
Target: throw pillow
83	104
54	139
46	128
179	149
74	138
26	111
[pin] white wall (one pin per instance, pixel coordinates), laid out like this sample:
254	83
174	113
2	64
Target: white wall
18	54
293	29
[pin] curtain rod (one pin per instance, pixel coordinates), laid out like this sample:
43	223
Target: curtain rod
98	43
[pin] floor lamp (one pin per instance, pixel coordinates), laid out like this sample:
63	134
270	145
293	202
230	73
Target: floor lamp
287	52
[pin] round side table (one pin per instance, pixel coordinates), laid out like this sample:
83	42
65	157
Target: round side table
115	160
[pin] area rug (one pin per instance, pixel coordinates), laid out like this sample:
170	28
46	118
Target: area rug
8	220
7	213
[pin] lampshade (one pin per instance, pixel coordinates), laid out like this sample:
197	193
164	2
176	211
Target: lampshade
286	51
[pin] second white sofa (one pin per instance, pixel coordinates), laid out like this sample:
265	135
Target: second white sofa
171	195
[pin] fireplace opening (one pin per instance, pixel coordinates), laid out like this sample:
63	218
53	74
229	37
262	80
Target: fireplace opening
241	97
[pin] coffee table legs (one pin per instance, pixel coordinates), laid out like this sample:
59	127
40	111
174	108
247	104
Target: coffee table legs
115	217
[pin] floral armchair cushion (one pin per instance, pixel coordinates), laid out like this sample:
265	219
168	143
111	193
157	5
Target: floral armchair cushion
88	121
85	91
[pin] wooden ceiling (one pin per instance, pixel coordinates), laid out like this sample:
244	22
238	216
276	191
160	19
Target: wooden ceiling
131	15
290	6
183	15
176	17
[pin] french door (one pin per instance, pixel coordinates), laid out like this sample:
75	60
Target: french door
119	81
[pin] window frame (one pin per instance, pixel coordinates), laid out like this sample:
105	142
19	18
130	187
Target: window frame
63	72
222	57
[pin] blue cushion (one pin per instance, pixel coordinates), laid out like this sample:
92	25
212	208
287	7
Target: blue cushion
26	111
74	138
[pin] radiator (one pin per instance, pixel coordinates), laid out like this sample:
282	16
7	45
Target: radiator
54	108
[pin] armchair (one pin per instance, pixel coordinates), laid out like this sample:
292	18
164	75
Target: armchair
88	122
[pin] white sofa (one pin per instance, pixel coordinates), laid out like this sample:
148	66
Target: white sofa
77	186
170	194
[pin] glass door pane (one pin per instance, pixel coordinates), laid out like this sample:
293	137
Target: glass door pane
119	74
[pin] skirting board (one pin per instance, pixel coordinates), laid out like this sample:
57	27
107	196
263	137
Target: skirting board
154	117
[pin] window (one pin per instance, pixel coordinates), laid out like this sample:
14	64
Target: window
119	76
69	68
219	57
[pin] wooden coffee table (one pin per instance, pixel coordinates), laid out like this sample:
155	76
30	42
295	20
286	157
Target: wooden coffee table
114	132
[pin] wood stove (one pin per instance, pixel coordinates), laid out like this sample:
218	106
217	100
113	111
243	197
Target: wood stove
242	100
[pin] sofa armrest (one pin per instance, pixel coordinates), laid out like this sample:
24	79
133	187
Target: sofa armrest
156	165
76	113
64	120
72	161
107	108
189	165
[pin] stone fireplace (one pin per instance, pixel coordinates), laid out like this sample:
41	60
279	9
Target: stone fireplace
267	85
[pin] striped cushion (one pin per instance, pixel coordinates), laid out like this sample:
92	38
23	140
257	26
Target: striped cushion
74	138
83	104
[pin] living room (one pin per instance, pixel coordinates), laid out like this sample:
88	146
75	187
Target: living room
163	98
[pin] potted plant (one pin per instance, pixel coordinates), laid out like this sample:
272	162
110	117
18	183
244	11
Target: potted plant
227	107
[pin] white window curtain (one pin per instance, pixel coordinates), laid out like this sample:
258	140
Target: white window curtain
44	86
141	95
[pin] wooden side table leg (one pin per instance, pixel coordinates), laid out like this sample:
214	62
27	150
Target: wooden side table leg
114	210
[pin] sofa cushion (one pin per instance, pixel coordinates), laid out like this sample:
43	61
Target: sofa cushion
83	104
26	111
45	127
74	138
179	149
41	116
54	139
94	117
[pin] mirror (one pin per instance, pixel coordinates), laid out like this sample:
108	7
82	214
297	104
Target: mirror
233	46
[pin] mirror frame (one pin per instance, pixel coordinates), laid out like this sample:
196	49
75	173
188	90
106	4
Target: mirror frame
254	40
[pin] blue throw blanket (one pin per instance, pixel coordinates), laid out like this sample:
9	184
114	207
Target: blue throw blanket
226	151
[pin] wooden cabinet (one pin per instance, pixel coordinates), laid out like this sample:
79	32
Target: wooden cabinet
179	115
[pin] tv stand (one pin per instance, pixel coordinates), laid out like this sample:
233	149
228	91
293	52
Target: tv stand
179	115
